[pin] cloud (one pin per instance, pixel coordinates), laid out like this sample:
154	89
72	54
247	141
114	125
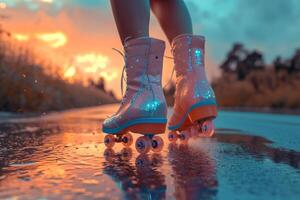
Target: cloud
55	40
21	37
54	6
268	25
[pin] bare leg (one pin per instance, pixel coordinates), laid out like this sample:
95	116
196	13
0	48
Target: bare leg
173	17
131	17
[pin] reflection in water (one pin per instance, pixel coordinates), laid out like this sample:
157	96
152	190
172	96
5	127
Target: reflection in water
62	157
194	173
142	180
19	143
260	147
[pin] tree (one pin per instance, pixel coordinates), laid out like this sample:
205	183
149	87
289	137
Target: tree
241	61
295	62
234	57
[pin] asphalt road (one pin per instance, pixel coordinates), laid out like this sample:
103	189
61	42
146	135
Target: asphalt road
62	156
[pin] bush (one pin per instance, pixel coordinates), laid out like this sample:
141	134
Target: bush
26	86
259	89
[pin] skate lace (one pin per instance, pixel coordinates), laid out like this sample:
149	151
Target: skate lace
123	78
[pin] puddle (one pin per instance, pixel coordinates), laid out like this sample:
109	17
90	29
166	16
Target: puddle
67	160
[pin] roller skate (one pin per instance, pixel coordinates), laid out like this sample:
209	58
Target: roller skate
194	172
195	102
145	161
143	108
138	177
125	154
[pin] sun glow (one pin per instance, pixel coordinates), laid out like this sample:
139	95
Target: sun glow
2	5
21	37
70	72
90	66
47	1
83	66
55	40
109	76
92	62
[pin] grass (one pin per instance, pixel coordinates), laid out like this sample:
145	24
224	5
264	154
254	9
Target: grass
25	86
264	89
260	89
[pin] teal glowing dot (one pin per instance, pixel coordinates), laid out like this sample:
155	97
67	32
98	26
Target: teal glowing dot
197	52
198	56
151	106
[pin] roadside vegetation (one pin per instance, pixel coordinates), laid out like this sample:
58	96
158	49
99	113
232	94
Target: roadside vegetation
26	86
31	84
247	82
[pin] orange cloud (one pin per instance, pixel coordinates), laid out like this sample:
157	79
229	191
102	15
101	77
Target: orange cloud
55	40
93	62
47	1
89	65
2	5
70	72
83	46
109	76
21	37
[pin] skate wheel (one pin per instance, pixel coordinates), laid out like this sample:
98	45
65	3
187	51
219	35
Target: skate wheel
157	144
127	139
207	128
109	154
172	147
172	136
184	136
156	160
194	130
109	141
142	161
126	153
143	144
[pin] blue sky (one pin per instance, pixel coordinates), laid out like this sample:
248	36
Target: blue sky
86	28
272	26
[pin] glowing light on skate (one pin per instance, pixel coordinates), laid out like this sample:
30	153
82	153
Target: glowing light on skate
152	105
198	55
21	37
203	89
55	40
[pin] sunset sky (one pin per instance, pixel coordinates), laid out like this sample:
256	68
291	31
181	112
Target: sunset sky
79	34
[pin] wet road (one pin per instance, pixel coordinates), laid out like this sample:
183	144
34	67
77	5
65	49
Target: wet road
62	156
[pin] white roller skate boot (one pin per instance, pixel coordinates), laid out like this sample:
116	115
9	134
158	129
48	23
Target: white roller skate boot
195	102
143	108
